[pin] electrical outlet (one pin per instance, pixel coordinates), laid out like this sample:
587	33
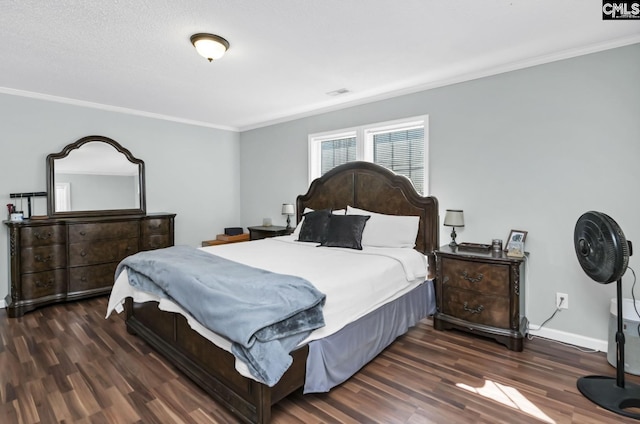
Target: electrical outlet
562	300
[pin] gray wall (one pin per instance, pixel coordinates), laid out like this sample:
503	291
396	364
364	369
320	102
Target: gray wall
192	171
531	149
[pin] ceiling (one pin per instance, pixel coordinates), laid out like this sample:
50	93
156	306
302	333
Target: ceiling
135	56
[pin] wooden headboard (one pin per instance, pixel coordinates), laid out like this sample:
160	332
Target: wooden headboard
366	185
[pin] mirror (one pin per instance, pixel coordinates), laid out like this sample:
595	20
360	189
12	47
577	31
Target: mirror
94	176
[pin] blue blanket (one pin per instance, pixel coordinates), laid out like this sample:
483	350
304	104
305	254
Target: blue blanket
264	314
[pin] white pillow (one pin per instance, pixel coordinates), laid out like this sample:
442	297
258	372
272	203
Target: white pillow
296	232
384	230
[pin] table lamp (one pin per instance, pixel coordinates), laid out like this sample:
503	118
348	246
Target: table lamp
287	209
454	218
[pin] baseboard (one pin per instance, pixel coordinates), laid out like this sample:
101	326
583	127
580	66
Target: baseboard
570	338
561	336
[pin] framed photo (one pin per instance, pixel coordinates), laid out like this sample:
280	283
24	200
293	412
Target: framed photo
516	236
515	249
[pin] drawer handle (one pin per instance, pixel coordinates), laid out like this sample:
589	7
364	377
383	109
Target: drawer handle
44	284
472	279
83	279
39	258
155	227
42	236
473	311
83	233
83	253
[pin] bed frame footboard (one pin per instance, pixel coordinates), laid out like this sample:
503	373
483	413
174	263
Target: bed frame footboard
212	368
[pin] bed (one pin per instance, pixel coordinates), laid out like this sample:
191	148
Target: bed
357	184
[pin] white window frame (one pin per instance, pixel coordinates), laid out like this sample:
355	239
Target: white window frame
364	142
315	145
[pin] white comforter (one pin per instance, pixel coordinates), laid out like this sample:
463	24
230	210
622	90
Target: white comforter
355	281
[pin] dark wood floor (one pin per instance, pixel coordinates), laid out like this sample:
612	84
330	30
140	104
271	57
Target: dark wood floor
66	363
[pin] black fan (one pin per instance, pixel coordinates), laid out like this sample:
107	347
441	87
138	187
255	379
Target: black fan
603	253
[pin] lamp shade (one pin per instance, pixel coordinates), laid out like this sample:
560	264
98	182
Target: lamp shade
287	209
209	46
454	218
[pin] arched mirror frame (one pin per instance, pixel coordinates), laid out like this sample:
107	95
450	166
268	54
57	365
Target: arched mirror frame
51	183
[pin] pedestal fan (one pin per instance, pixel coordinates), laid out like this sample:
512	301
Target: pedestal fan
603	253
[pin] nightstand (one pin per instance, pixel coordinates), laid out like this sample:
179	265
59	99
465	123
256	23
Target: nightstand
481	292
261	232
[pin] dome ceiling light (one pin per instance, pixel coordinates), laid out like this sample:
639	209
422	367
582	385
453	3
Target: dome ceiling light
210	46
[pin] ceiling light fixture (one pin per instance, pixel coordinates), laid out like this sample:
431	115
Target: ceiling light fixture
209	46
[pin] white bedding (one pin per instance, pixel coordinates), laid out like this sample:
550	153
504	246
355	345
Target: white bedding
355	281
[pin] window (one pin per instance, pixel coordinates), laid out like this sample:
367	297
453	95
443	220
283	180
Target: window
400	146
336	152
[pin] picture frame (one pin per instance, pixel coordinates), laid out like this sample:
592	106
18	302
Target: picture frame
515	249
515	236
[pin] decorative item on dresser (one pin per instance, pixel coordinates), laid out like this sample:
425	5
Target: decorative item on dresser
261	232
481	292
28	196
515	243
74	252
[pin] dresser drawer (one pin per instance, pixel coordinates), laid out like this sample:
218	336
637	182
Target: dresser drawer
483	277
45	235
157	241
477	308
43	258
105	251
41	284
103	231
155	226
85	278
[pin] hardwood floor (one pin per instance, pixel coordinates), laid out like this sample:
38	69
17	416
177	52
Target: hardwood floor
66	363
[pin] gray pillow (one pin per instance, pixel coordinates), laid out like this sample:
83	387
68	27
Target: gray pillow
345	231
314	226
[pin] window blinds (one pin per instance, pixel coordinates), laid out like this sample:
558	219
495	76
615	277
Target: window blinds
336	152
403	153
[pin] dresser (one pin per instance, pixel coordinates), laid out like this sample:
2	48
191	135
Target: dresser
481	292
64	259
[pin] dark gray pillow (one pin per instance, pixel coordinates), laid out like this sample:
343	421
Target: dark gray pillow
314	226
346	231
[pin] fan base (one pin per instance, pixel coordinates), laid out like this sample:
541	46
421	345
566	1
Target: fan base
605	392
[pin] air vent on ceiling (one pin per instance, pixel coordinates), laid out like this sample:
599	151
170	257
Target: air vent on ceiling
338	92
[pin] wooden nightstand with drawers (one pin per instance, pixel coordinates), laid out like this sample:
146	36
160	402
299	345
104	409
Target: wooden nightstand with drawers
261	232
481	292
